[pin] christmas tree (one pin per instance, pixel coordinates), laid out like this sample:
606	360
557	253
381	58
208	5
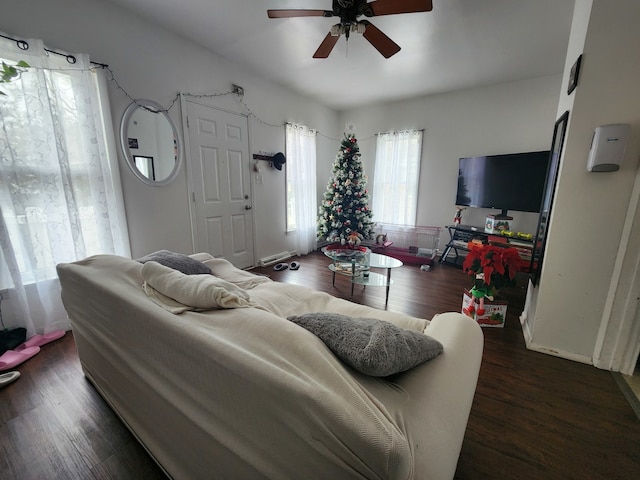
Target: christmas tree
345	216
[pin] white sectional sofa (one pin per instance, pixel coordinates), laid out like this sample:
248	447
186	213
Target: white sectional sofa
245	393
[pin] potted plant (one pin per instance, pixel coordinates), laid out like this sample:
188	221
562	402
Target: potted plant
8	73
493	268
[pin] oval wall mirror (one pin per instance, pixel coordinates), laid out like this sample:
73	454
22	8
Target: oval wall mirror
150	143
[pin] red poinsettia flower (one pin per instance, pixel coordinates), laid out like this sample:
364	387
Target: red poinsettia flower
496	266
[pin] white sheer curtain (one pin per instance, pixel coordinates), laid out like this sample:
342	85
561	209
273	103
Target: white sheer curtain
396	176
60	197
301	185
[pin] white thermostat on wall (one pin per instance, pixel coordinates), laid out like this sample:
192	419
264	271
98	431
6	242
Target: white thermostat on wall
607	147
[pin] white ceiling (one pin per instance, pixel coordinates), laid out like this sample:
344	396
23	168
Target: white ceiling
459	44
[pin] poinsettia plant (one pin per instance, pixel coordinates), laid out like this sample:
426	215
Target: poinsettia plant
493	267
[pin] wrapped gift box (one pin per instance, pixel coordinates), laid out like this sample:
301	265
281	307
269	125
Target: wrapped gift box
495	311
497	223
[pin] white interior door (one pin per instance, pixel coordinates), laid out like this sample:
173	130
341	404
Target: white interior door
222	218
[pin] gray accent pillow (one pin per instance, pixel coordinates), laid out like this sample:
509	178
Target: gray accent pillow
369	345
177	261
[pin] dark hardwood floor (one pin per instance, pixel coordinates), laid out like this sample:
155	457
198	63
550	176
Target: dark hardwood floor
534	416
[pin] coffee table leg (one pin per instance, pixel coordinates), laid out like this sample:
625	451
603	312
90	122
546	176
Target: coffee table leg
388	285
353	274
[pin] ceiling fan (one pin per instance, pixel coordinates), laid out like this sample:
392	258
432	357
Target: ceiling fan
349	11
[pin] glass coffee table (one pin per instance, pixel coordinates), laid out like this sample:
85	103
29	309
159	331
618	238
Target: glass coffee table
356	265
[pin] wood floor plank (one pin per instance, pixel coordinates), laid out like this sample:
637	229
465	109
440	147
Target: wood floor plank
130	461
61	427
534	416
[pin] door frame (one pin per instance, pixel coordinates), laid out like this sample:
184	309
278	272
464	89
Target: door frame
184	97
618	343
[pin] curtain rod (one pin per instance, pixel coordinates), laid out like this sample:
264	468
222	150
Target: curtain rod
406	129
24	45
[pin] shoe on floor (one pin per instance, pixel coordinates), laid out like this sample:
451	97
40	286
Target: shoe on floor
39	340
281	266
294	265
12	358
7	378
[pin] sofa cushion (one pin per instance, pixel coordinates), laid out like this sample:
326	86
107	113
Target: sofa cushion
177	261
369	345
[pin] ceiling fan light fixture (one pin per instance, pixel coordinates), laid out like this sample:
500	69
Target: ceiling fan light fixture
349	11
354	27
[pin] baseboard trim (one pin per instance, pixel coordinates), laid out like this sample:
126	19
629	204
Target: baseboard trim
278	257
631	397
528	341
525	328
558	353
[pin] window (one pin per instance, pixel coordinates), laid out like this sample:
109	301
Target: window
396	176
145	165
59	186
302	207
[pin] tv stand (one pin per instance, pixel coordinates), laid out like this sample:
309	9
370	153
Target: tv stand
456	249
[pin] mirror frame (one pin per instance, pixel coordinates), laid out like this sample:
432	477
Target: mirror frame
124	144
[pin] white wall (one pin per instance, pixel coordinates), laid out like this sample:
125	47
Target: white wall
506	118
590	212
151	63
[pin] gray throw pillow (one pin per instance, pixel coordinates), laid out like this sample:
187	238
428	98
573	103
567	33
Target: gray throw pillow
371	346
177	261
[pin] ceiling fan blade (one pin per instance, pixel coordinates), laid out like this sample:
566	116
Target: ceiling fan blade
299	13
326	46
379	40
392	7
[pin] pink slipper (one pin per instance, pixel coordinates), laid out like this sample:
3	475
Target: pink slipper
11	358
39	340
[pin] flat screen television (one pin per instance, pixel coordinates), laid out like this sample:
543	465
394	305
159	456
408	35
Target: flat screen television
505	182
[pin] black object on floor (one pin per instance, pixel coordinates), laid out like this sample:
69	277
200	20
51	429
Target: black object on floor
11	338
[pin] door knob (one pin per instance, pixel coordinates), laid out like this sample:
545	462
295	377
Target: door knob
247	207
